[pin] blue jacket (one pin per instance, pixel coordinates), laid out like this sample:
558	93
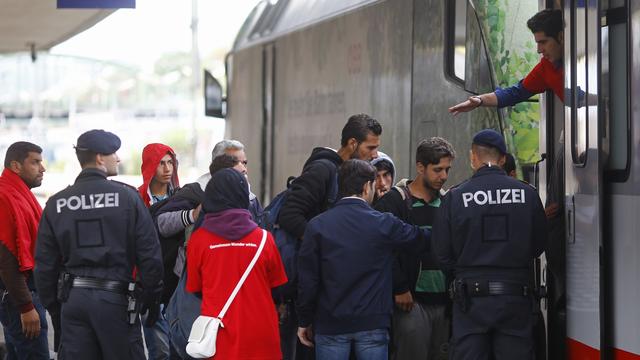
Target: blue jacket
344	267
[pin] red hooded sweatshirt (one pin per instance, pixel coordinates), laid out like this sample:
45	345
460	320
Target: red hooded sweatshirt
151	156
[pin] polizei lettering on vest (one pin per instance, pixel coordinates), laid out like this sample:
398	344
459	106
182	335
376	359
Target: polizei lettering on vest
494	197
89	201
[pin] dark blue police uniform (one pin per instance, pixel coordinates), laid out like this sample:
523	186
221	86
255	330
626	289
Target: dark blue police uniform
486	234
96	231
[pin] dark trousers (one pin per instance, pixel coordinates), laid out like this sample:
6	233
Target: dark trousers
19	347
292	348
499	325
95	326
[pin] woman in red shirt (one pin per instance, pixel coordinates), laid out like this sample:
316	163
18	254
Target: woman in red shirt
218	253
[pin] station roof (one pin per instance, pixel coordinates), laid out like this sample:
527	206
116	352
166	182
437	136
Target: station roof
39	22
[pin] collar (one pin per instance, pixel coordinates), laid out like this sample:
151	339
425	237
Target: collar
486	170
90	173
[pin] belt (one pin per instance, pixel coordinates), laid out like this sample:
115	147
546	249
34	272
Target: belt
477	288
120	287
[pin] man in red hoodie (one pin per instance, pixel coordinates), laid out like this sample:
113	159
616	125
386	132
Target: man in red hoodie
160	181
21	313
159	173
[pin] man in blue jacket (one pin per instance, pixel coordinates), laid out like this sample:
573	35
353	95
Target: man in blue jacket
344	269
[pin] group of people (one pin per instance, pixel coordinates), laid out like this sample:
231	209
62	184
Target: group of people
386	267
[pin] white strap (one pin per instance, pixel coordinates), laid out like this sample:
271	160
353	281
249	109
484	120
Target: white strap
244	276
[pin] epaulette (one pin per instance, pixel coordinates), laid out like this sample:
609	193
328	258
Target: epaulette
524	182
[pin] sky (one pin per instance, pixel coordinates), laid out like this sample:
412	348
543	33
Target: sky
139	36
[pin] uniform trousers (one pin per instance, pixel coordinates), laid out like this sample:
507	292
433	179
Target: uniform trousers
95	326
500	325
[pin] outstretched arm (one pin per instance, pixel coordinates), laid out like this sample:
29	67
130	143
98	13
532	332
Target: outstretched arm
473	102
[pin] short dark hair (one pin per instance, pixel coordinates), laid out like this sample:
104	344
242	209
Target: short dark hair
352	176
431	150
358	127
549	21
509	163
19	151
86	157
384	165
223	161
486	152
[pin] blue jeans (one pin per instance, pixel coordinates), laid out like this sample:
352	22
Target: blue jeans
19	347
368	345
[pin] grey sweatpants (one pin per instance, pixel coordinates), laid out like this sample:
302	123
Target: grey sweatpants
421	334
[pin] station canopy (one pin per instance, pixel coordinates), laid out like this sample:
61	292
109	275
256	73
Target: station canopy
27	25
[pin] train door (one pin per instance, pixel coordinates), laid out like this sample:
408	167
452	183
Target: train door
583	180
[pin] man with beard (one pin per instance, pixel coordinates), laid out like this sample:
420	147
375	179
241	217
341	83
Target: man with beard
420	327
385	174
21	312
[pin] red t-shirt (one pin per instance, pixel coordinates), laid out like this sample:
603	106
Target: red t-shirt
214	266
545	76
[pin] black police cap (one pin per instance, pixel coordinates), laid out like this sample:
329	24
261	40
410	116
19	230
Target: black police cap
491	138
98	141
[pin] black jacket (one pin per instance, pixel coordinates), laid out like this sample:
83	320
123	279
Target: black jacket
491	225
344	267
309	192
96	228
187	198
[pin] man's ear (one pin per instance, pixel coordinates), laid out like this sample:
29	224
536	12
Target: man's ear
561	37
15	166
353	144
420	168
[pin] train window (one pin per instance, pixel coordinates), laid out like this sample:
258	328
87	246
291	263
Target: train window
615	45
456	39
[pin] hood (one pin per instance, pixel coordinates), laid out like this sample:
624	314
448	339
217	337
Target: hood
227	189
324	153
384	157
203	180
151	156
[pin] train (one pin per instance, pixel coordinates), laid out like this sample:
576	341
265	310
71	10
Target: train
299	68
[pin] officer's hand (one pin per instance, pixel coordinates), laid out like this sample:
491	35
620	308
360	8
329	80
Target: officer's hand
551	211
404	301
151	313
306	336
30	324
465	106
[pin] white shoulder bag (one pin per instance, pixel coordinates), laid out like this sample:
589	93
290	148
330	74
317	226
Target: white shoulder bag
202	339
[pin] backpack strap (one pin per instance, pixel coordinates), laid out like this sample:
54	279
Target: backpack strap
406	196
332	190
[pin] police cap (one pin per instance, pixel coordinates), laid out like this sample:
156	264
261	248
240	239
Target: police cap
491	138
98	141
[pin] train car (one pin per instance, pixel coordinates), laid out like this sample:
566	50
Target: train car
300	68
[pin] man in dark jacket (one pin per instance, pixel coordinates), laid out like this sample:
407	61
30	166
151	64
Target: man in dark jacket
344	266
313	192
420	327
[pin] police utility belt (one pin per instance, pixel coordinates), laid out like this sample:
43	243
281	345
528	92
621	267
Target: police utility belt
68	281
461	290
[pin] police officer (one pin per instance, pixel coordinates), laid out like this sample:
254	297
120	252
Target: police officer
486	234
91	236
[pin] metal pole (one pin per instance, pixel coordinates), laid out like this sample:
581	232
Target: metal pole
195	78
